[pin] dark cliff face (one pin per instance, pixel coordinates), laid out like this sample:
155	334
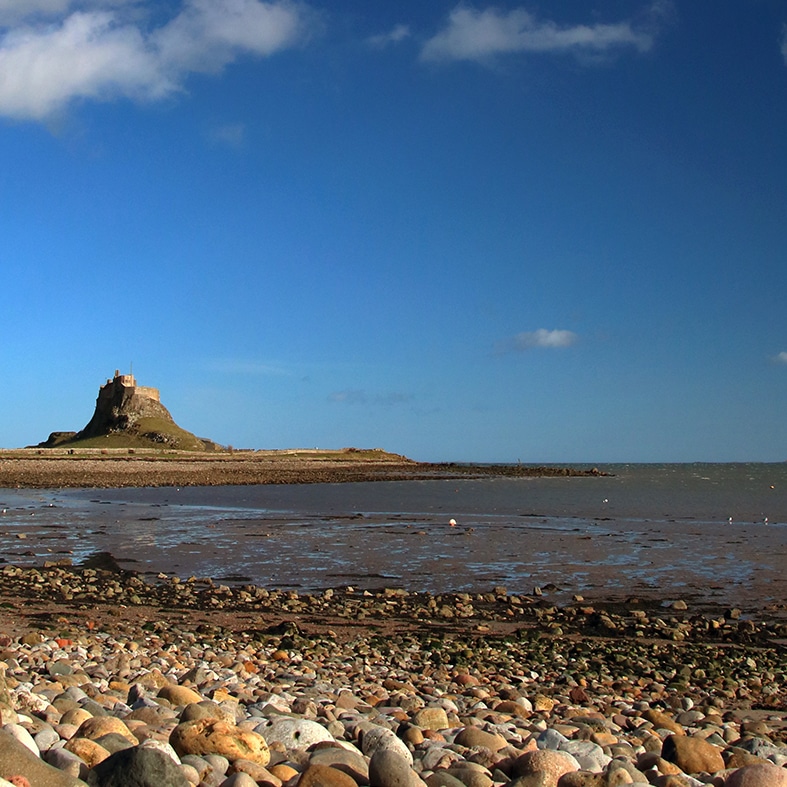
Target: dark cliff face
119	408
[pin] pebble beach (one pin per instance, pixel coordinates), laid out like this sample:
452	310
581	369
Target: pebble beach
110	680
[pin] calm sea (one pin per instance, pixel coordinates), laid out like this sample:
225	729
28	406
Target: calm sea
712	530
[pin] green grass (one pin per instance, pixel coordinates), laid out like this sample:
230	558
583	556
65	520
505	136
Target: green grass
146	433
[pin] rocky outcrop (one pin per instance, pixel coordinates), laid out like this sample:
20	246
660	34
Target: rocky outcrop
131	415
121	405
57	438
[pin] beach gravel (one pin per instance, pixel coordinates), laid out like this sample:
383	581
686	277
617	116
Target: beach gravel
200	684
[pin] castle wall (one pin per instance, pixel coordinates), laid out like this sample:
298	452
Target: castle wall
151	393
129	383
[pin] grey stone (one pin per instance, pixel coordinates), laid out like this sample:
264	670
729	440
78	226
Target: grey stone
376	739
758	747
46	738
551	739
66	761
239	780
137	767
443	779
113	742
471	777
350	762
387	768
589	755
218	762
164	748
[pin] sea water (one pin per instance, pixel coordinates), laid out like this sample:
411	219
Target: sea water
716	531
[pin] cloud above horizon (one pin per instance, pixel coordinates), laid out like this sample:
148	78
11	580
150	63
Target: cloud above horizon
102	51
479	35
780	357
399	33
540	339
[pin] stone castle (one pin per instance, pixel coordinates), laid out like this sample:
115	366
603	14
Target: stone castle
121	403
128	381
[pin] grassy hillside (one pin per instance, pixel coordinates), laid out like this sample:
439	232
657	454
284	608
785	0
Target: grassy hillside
146	433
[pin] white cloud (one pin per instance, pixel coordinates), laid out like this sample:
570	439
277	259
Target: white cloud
399	33
471	34
542	338
209	34
780	358
88	56
101	55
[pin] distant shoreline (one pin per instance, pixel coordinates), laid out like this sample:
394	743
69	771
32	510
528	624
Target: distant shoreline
36	468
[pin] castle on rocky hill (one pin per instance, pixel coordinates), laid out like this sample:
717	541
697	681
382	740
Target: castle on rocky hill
134	415
121	403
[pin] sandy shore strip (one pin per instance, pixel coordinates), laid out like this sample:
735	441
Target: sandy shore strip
59	468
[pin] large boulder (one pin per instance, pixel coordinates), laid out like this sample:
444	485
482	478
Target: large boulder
692	755
212	736
17	760
759	775
138	767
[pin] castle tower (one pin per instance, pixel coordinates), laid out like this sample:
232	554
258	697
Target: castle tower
121	403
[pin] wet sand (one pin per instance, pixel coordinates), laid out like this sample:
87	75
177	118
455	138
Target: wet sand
708	564
311	537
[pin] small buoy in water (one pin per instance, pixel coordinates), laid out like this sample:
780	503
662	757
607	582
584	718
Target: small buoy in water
605	500
452	522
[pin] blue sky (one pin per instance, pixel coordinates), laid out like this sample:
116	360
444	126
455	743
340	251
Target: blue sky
547	232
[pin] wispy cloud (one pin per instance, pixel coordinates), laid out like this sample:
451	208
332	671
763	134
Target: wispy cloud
399	33
231	135
357	396
15	11
101	51
540	339
780	357
479	35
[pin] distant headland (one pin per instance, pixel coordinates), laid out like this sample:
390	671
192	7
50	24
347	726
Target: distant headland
133	440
